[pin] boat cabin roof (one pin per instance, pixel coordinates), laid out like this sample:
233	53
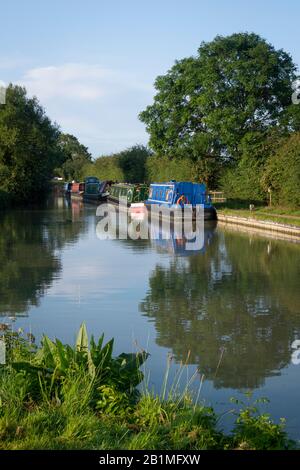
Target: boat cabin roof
92	179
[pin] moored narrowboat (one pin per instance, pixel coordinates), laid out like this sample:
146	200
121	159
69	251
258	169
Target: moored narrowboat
177	195
77	190
96	190
128	193
92	189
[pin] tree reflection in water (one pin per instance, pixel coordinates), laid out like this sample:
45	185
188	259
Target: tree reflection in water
238	301
29	260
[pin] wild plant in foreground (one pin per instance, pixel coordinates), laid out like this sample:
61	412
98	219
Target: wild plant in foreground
59	397
47	369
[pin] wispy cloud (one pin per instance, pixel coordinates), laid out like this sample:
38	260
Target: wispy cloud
79	81
97	104
73	81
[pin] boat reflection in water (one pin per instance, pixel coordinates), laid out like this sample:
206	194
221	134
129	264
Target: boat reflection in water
166	236
177	240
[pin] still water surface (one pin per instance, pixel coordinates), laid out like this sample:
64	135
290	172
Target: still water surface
232	308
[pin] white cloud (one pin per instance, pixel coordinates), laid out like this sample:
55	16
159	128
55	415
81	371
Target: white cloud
73	81
78	81
97	104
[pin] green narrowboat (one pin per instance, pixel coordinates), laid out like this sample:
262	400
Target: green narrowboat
128	192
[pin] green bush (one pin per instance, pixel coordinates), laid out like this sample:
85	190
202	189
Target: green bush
164	169
132	162
243	182
128	166
282	173
104	168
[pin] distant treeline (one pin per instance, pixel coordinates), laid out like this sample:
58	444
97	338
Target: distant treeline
139	164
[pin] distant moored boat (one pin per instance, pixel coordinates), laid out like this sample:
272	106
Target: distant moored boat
96	190
92	189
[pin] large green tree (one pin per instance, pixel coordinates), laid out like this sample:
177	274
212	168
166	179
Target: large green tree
29	149
208	107
76	156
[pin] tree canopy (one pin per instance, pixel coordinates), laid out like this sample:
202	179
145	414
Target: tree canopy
29	149
76	156
129	165
208	107
132	161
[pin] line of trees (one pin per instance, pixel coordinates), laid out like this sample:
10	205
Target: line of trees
130	165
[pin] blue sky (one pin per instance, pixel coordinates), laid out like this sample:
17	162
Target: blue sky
92	63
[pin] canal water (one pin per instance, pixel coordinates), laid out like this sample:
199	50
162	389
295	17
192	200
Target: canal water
230	310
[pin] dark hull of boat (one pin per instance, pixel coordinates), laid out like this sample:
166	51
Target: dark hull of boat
114	201
97	198
94	198
210	213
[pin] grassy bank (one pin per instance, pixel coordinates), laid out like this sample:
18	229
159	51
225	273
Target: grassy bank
58	397
281	215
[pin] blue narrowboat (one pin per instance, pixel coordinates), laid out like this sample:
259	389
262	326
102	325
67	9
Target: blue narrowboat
176	195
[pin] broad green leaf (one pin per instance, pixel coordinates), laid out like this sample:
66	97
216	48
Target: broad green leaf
49	350
64	363
82	342
91	365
